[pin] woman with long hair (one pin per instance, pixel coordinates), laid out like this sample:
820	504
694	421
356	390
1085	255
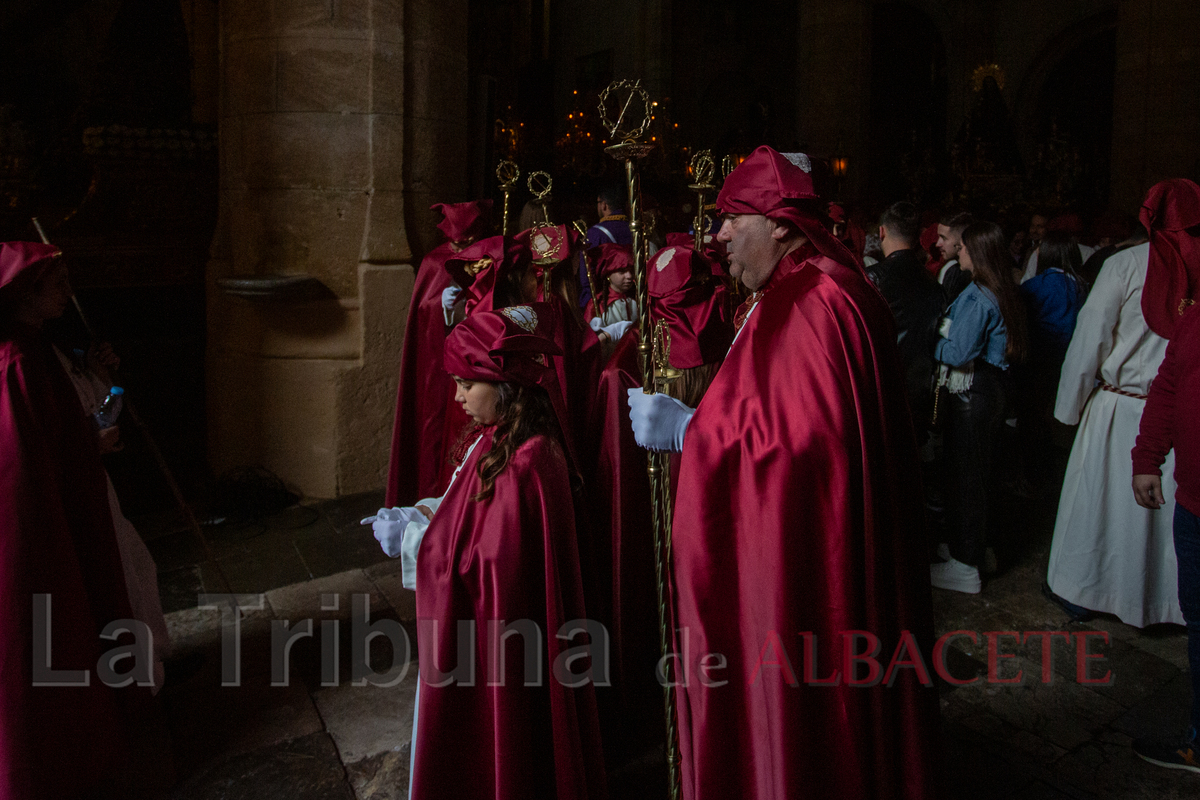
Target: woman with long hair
501	715
1052	299
982	334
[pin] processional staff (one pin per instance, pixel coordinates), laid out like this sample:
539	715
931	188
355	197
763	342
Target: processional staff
581	227
702	168
629	148
508	173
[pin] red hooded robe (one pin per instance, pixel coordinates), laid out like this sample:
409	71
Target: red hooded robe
56	538
418	441
799	510
508	558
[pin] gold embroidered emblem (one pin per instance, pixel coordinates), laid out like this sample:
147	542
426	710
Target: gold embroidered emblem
522	316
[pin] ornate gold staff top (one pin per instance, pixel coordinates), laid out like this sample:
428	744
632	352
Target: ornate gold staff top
546	246
703	169
539	184
629	149
507	172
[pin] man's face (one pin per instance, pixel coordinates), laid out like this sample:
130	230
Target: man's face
755	246
949	242
601	207
1037	227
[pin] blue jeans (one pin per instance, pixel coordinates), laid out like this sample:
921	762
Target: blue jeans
1187	552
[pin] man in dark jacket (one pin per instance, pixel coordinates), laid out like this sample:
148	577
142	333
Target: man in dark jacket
915	300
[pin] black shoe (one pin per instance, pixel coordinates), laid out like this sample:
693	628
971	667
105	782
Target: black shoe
1175	754
1076	613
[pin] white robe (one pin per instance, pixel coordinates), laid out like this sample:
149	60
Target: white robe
1109	554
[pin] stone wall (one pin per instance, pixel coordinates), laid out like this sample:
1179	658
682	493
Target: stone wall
335	116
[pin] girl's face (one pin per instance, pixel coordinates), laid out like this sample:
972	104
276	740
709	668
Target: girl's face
49	297
964	260
622	280
478	399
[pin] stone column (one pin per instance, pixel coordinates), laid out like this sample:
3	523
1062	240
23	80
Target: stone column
834	83
319	142
1156	114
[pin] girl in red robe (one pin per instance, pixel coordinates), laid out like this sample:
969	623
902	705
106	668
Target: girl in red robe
56	539
499	550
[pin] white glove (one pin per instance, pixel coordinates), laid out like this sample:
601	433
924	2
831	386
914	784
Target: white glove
659	420
389	527
594	324
617	329
450	296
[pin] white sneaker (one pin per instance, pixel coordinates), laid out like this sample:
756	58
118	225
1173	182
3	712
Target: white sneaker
955	576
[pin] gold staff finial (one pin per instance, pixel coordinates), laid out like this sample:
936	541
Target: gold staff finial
507	173
727	165
703	169
664	373
539	184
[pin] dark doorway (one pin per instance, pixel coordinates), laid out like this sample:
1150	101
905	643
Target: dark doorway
907	142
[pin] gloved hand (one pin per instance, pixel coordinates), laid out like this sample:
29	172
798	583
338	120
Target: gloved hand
594	324
617	329
659	420
450	296
389	527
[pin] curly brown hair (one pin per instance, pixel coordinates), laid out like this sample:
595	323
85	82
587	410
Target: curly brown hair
522	412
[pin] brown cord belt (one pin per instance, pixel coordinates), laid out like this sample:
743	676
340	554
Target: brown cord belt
1108	387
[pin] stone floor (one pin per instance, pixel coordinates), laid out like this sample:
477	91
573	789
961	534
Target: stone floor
315	735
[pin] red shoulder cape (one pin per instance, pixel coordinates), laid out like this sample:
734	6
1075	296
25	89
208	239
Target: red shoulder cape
418	440
56	538
799	510
512	557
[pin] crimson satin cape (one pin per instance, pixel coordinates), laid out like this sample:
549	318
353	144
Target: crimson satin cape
419	448
799	510
624	558
56	538
512	557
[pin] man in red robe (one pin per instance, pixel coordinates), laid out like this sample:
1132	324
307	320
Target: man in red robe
418	447
57	738
798	538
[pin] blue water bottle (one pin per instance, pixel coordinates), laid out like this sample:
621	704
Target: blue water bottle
110	409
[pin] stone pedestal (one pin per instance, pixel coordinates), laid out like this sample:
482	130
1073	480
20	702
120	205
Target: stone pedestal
325	136
1156	109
